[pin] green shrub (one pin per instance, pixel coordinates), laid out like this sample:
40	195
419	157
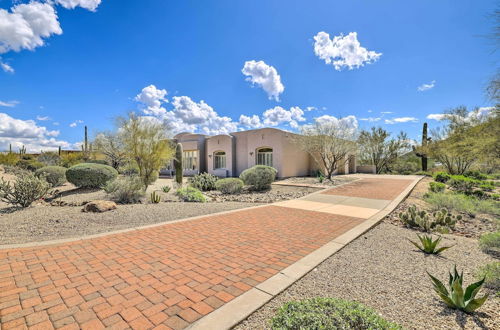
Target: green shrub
425	173
49	158
463	184
128	169
125	190
487	186
428	245
491	272
442	177
203	181
328	313
97	161
69	159
477	175
9	158
229	185
259	177
90	175
190	194
457	297
462	203
29	164
490	242
24	191
55	175
437	186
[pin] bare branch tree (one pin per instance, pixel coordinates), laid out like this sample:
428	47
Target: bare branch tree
110	145
329	143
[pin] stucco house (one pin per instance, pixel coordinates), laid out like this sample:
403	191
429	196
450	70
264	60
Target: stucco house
229	155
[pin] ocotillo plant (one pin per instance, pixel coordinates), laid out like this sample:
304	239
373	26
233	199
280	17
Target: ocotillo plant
178	164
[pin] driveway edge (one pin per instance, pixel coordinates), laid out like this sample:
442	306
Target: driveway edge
238	309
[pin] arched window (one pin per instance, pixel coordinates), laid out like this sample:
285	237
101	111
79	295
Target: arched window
265	156
219	160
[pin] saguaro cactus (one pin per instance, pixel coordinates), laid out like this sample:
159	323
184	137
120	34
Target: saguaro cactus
178	164
86	145
424	144
59	151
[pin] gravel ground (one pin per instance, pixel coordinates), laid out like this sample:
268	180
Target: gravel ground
468	226
43	222
275	194
381	269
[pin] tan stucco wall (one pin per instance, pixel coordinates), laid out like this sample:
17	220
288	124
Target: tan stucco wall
194	142
220	143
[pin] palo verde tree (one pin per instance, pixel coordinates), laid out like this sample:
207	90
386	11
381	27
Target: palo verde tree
111	145
376	147
329	142
146	144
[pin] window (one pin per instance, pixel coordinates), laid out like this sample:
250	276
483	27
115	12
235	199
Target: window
219	160
190	160
265	156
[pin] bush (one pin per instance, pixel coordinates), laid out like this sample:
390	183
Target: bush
437	186
10	159
125	190
487	186
405	167
24	191
203	181
463	184
90	175
442	177
425	173
129	169
229	185
190	194
49	158
462	203
477	175
69	159
55	175
29	164
490	242
491	272
97	161
259	177
328	313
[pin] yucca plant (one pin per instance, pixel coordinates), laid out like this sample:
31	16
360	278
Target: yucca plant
429	245
457	298
155	198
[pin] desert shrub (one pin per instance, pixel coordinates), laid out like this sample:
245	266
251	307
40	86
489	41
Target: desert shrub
190	194
491	273
10	159
55	175
462	203
17	171
477	175
487	186
436	186
69	159
259	177
463	184
229	185
125	190
203	181
97	161
29	164
328	313
490	242
49	158
128	169
24	191
90	175
425	173
405	167
442	177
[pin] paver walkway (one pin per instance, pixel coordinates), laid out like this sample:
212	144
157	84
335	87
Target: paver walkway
171	275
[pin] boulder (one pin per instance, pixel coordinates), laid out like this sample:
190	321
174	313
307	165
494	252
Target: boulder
99	206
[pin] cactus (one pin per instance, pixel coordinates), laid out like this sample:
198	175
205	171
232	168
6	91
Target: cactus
178	164
444	218
85	146
441	221
414	218
22	150
59	151
155	198
10	148
424	144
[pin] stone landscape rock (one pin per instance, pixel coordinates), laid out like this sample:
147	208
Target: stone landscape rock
99	206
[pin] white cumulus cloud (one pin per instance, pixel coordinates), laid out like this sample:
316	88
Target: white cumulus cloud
371	119
426	87
250	122
265	76
400	120
343	51
436	116
18	133
152	99
277	116
87	4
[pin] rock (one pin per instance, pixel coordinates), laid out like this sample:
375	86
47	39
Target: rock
99	206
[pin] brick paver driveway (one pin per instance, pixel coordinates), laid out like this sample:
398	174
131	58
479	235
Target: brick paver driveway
166	276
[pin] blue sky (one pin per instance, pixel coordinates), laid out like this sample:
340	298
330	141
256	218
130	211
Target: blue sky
91	68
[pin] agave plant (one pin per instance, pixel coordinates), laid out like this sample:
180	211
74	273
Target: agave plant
429	245
155	198
457	298
165	189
